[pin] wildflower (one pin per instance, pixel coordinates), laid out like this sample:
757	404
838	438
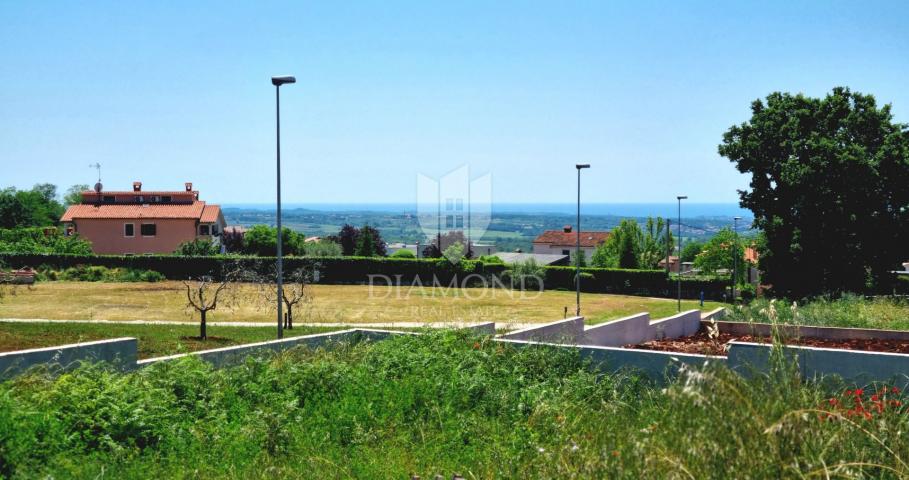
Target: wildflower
833	401
895	390
615	453
859	392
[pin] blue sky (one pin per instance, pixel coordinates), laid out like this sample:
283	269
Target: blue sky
167	92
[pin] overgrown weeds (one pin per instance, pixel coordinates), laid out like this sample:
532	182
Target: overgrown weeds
438	403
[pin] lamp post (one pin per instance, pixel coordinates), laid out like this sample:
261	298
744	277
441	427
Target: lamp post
577	252
679	277
735	254
277	82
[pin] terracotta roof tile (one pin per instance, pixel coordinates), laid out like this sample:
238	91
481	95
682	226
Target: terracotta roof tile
560	237
210	214
128	211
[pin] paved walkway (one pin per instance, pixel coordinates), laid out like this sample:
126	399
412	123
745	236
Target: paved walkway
511	326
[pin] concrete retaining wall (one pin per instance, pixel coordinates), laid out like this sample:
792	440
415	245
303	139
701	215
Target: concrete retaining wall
639	328
659	366
119	352
715	314
220	357
633	329
562	331
794	331
851	365
679	325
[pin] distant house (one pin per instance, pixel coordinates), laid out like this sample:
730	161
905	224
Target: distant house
138	222
564	242
539	258
674	265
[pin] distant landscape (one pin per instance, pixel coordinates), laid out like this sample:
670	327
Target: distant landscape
513	225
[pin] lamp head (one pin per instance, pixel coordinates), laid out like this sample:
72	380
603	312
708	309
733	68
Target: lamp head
281	80
682	197
582	165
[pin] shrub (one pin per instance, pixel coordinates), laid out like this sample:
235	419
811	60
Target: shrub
402	253
491	259
93	273
42	240
198	247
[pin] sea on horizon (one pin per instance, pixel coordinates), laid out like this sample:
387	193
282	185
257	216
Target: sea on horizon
670	210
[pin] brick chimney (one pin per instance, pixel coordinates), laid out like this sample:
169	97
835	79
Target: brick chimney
566	229
189	186
137	186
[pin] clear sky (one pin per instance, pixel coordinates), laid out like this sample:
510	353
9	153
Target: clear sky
167	92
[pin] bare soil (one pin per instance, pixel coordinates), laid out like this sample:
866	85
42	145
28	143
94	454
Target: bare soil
700	343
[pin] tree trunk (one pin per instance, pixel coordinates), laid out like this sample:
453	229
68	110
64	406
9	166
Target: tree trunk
290	317
202	334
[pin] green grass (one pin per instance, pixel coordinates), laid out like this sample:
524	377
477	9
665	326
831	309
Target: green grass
166	301
153	340
848	311
441	403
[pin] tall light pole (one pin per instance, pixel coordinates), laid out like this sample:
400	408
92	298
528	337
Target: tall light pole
735	254
279	267
679	277
577	252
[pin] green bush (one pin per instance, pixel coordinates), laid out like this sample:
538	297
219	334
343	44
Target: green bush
402	253
491	259
198	247
93	273
42	240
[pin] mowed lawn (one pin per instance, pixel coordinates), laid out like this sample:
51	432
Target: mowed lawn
153	340
330	303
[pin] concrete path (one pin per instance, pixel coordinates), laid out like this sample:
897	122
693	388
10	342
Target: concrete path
511	326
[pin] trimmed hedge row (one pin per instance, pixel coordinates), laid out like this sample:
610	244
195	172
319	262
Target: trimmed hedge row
359	270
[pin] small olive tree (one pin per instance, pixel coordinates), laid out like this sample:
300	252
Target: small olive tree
206	293
295	291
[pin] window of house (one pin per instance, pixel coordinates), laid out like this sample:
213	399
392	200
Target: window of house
203	229
108	199
156	199
149	229
214	229
129	230
140	198
165	199
566	252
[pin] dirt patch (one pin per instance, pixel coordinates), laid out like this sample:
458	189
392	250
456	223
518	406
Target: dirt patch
700	343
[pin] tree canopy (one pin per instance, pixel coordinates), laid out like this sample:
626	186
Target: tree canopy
828	189
37	207
630	246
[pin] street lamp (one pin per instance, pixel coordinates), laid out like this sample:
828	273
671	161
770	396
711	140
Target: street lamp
277	82
679	277
577	253
735	254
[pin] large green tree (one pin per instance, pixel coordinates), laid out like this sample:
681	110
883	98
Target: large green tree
37	207
828	188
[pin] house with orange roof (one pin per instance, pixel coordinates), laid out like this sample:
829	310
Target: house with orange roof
564	242
142	222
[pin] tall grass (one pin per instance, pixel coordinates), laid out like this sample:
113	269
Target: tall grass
847	311
440	403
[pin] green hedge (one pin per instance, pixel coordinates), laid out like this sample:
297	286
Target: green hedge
357	270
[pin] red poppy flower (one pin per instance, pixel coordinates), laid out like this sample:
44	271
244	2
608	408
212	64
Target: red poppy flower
859	392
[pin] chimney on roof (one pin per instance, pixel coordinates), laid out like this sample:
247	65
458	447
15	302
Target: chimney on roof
566	229
189	186
137	186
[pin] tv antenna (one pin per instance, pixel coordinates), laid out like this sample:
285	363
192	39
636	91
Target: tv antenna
97	166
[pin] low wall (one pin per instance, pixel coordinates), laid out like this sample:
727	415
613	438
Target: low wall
678	325
659	366
851	365
120	352
220	357
562	331
794	331
716	314
633	329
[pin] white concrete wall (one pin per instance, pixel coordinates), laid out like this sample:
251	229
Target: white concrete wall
557	250
616	333
120	352
562	331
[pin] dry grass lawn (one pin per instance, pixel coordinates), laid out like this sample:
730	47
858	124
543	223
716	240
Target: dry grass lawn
330	303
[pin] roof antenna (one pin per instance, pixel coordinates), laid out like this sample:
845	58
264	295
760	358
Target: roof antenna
97	185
